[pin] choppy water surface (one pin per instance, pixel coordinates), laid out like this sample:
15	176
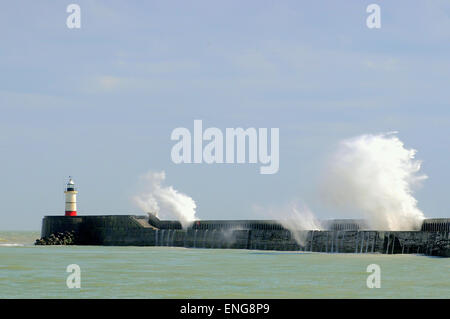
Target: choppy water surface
164	272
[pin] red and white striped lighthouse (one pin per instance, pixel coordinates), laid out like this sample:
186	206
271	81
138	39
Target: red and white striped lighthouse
71	198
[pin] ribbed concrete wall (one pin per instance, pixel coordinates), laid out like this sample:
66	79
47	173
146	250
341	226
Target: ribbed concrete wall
336	224
401	242
436	224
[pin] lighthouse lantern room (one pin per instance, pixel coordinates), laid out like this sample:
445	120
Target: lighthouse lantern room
71	198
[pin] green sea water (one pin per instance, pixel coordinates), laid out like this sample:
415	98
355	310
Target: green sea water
28	271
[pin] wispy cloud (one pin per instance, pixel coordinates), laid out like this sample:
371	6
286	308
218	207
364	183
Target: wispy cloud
20	100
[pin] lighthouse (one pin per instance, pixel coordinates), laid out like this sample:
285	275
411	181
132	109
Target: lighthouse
71	198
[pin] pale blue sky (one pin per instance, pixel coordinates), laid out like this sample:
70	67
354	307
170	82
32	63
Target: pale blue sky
99	103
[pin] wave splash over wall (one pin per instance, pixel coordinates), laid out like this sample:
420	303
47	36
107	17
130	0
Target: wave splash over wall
295	217
164	201
375	176
298	220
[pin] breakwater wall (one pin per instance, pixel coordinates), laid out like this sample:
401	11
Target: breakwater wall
343	236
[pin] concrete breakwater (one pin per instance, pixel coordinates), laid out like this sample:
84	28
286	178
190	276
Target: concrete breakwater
342	236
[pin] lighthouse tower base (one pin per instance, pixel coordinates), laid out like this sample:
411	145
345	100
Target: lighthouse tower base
71	213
